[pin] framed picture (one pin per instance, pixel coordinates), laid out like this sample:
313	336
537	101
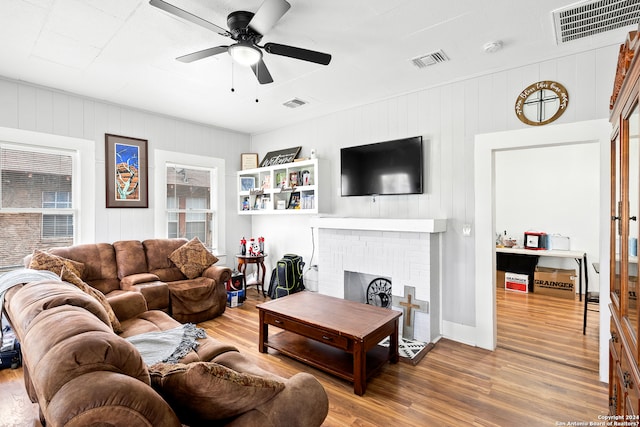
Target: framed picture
126	173
293	179
281	178
294	200
247	183
248	161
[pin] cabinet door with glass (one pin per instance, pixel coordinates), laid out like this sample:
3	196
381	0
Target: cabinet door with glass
629	134
625	207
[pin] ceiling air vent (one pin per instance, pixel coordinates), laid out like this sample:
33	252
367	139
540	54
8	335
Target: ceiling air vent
295	103
593	17
429	59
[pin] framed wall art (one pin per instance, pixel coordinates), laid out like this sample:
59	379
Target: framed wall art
248	161
247	183
126	174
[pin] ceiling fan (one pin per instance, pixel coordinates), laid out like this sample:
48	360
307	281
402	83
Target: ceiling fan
247	29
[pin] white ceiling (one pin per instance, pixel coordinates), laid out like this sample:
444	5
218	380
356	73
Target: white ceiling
124	51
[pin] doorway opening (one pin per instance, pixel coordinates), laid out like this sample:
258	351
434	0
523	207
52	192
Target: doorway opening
486	147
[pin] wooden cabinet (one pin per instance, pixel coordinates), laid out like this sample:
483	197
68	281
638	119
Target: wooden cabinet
624	349
291	188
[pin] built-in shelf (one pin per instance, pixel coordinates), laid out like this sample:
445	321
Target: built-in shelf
291	188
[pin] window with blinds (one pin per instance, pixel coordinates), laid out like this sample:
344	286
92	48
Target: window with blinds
36	201
190	193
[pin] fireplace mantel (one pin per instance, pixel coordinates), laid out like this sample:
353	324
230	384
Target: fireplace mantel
380	224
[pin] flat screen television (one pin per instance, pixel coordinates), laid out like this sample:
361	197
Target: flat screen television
382	168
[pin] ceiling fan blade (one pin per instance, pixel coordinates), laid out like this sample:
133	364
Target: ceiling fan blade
180	13
268	14
298	53
261	72
205	53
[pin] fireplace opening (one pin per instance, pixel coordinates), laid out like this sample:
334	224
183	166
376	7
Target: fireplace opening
367	288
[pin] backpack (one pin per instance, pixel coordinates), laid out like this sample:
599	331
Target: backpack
286	278
10	354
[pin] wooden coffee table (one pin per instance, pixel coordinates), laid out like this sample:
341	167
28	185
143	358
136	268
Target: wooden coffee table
335	335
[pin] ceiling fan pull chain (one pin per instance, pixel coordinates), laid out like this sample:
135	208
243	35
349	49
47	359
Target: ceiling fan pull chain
256	84
232	80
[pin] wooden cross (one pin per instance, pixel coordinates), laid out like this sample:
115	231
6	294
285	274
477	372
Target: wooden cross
408	305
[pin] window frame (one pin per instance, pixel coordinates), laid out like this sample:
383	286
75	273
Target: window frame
162	159
83	181
189	211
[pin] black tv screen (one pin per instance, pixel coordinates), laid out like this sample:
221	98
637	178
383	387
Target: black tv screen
390	167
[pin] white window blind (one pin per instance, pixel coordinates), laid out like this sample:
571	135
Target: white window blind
36	200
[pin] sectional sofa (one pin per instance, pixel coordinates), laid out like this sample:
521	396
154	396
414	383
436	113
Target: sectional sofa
81	372
174	275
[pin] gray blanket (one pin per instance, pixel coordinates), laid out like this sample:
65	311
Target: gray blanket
18	277
167	346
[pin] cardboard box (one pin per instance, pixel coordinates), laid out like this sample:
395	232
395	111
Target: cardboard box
516	282
555	282
500	279
235	298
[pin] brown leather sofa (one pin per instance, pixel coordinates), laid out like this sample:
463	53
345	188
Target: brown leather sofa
82	373
145	267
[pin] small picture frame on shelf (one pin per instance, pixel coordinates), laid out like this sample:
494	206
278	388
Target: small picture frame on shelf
293	179
294	200
266	182
281	178
248	161
247	183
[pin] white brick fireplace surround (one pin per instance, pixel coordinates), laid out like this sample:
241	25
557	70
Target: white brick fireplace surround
407	251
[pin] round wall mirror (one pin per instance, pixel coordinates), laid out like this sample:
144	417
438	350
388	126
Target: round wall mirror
541	103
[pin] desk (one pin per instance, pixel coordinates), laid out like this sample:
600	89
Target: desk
243	260
579	256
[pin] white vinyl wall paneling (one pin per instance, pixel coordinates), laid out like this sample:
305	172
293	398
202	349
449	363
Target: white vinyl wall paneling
448	117
49	111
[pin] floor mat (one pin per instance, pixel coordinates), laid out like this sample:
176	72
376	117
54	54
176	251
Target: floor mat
411	351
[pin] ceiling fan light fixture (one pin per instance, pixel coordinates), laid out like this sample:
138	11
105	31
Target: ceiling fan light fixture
245	54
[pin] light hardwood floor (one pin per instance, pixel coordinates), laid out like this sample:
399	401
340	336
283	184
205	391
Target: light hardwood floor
543	373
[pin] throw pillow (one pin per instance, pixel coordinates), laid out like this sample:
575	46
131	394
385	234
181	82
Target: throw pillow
192	258
69	276
205	391
41	260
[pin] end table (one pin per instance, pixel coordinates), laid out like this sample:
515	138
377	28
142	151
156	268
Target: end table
243	260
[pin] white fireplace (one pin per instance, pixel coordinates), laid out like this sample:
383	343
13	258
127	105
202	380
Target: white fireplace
404	251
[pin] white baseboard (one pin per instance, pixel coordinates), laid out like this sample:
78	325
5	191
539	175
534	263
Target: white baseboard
461	333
